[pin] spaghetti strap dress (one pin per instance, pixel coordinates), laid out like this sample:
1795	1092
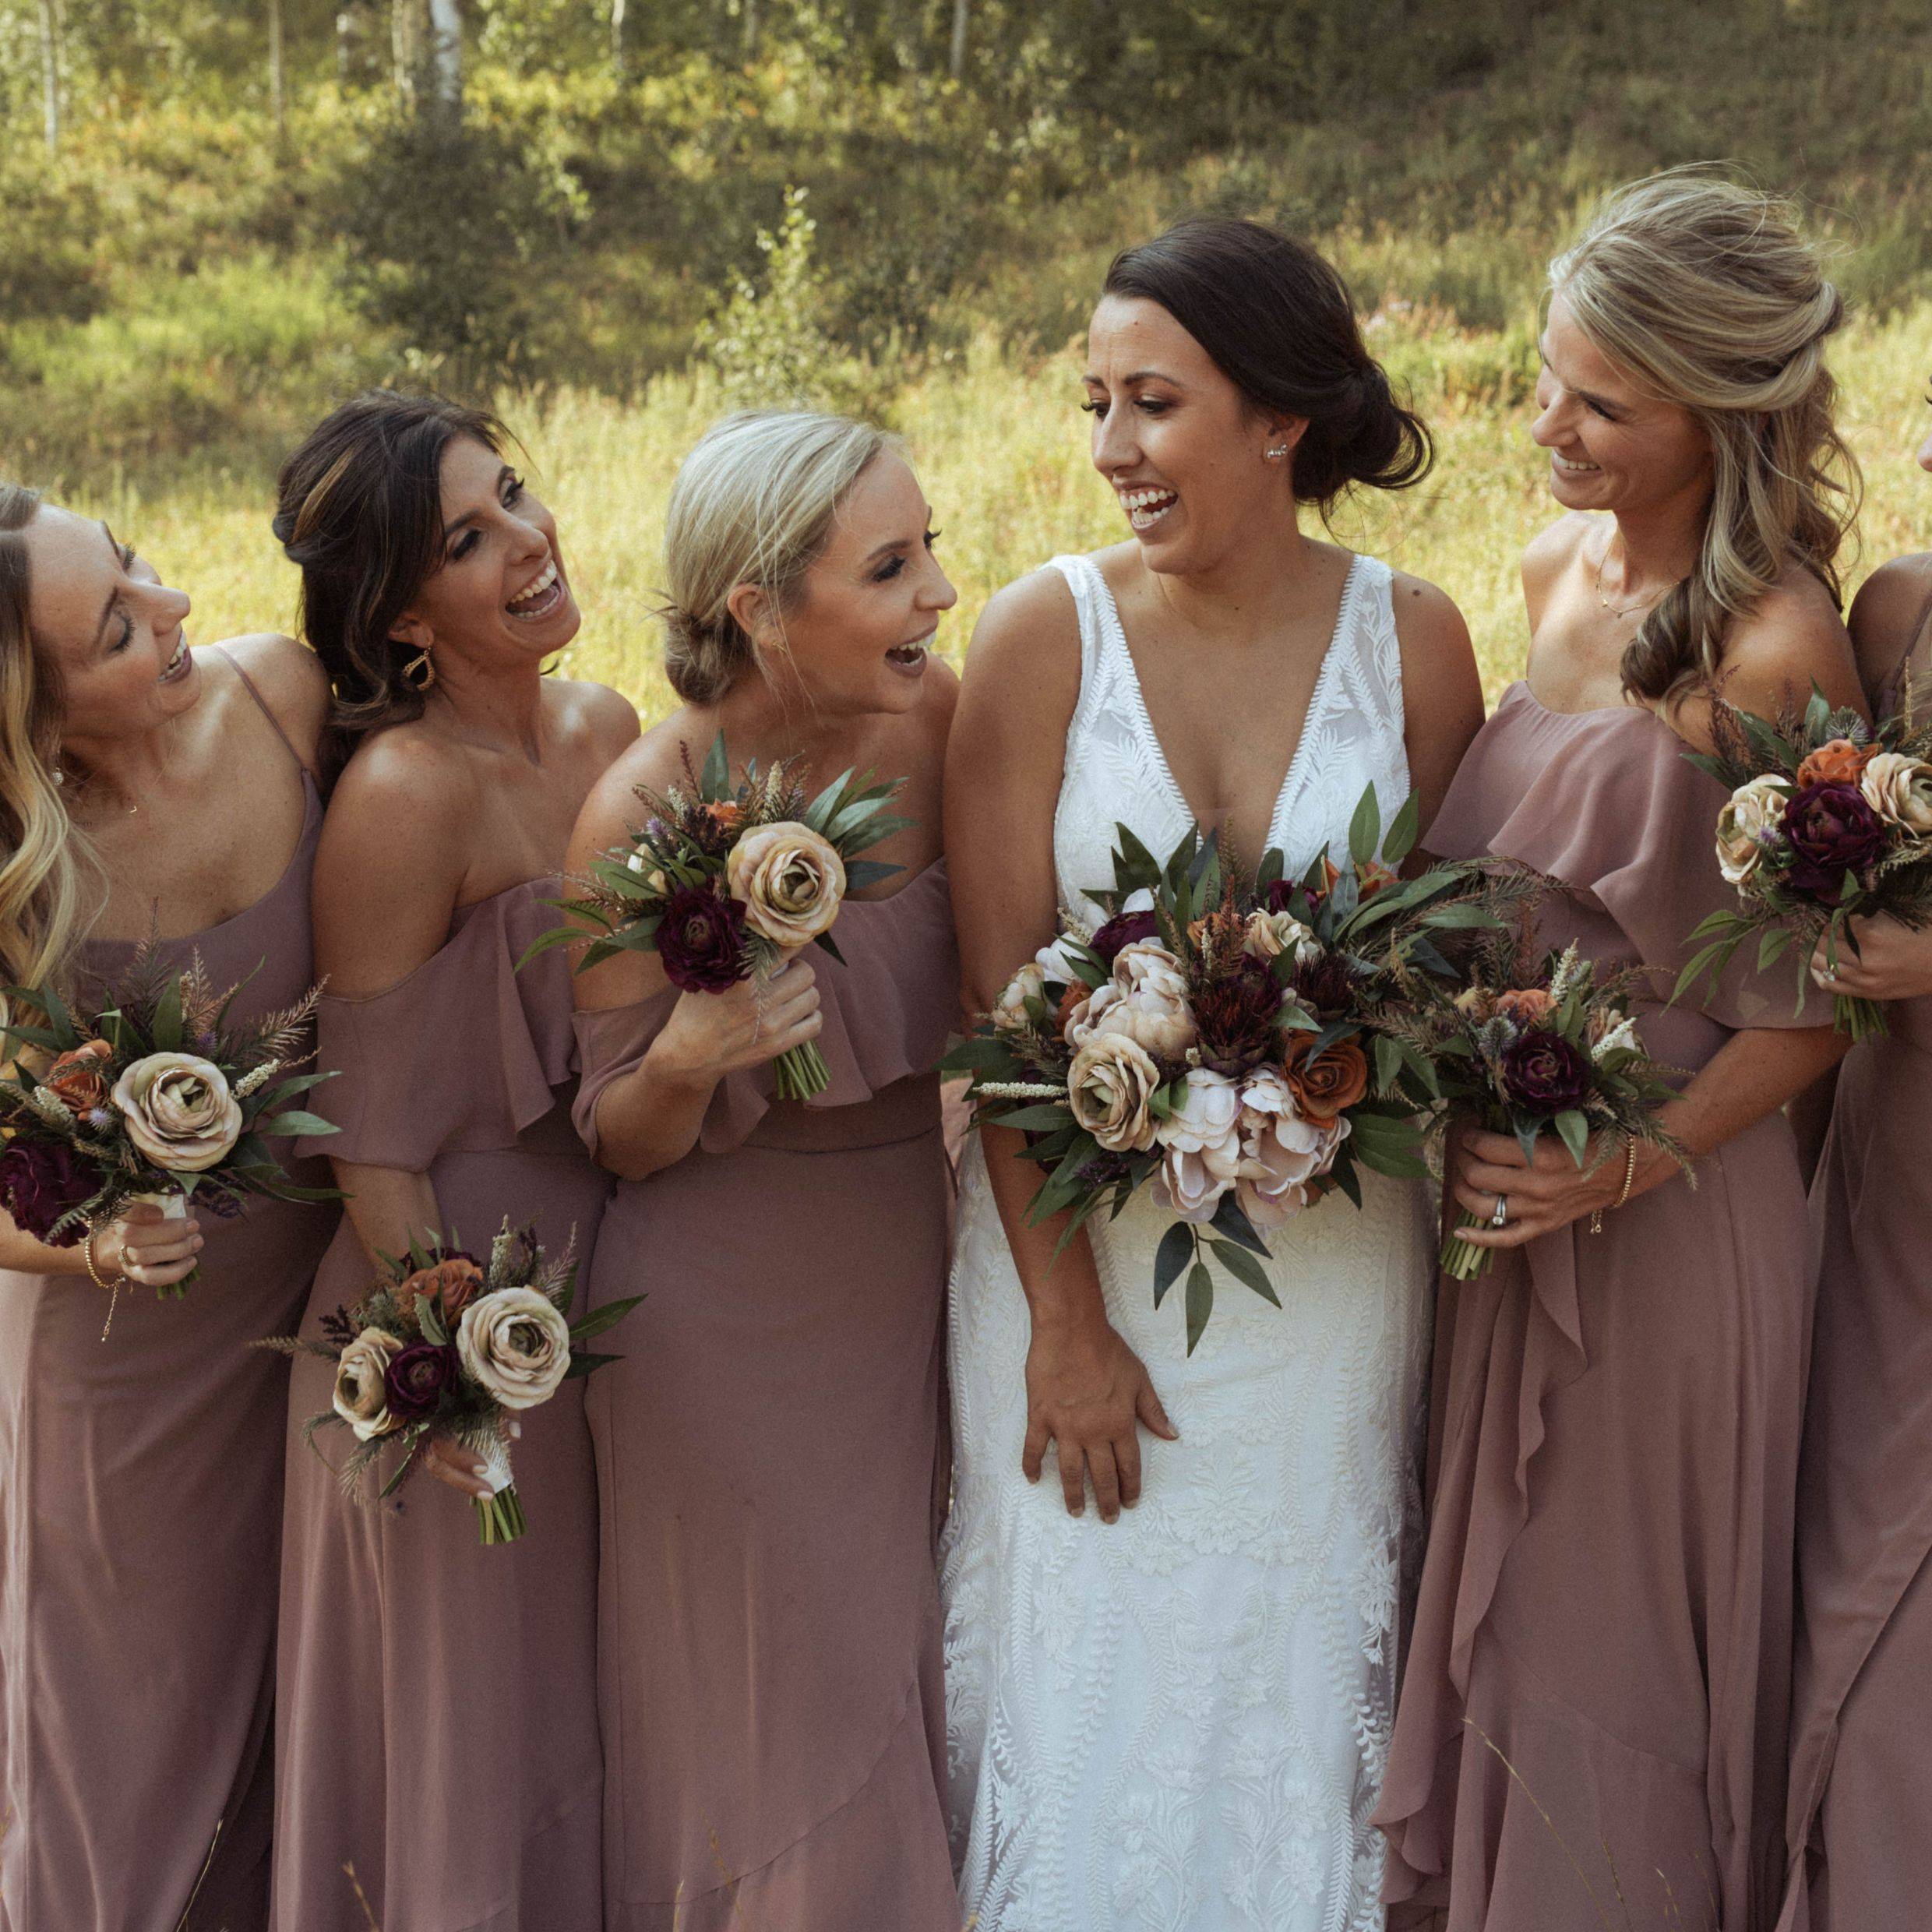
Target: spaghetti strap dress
1861	1777
769	1634
1595	1709
437	1726
140	1509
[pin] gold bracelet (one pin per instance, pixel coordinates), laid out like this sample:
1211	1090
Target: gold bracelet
113	1288
1629	1180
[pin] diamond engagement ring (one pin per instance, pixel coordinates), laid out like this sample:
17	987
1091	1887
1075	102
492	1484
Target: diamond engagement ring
1500	1218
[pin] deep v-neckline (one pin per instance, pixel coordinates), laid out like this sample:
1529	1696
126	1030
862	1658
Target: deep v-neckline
1143	717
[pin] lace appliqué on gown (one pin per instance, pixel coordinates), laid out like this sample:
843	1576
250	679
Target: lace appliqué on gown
1178	1722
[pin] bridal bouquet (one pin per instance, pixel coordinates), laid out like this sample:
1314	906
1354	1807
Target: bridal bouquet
443	1345
724	881
1827	817
1551	1050
1221	1042
148	1093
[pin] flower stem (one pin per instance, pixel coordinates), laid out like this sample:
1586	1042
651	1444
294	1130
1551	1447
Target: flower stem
803	1073
499	1518
1461	1260
1862	1019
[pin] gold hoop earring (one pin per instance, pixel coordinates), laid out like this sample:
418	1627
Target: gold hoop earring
420	673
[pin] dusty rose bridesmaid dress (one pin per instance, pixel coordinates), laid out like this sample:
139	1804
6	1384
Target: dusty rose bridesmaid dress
1861	1773
774	1724
437	1725
1593	1720
140	1507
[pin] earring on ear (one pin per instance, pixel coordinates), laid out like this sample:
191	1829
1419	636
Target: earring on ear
1276	454
419	674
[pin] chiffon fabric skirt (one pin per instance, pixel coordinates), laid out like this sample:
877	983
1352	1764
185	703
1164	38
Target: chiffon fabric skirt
438	1720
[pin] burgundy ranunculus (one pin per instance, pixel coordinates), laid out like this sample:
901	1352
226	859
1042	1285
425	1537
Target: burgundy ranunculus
1122	930
702	940
41	1180
1545	1073
1831	831
416	1378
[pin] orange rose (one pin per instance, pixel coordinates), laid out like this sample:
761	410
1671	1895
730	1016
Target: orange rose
1335	1079
1075	996
1841	762
453	1284
727	815
1527	1005
76	1077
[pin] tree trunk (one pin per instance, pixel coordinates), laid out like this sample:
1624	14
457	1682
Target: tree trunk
446	56
955	61
50	75
277	74
402	48
617	38
751	27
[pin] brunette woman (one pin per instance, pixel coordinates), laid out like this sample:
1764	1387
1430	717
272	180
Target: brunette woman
1596	1702
146	789
769	1641
437	1729
1861	1774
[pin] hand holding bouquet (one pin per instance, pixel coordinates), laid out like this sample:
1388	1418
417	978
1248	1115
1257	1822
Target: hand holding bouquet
724	882
444	1345
150	1093
1219	1042
1827	817
1551	1050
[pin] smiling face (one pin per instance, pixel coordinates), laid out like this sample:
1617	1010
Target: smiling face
1184	452
1612	446
857	628
501	595
103	616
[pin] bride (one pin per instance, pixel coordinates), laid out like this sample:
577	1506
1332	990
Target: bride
1169	1706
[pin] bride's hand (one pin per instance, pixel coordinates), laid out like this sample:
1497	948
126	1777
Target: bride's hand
1086	1391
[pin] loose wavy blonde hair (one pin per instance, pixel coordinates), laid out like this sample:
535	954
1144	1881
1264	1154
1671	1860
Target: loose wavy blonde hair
1708	295
753	503
45	903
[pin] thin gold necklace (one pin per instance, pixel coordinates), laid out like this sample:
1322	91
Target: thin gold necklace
1623	611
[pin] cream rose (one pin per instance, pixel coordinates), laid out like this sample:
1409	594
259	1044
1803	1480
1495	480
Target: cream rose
1108	1088
1145	1001
1028	983
1271	934
179	1111
790	880
516	1345
361	1390
1201	1143
1899	790
1282	1153
1753	809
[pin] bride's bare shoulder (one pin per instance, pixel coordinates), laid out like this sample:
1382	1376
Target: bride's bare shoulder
1028	632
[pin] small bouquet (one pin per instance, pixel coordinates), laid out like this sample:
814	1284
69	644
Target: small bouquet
724	881
1221	1041
1827	817
1551	1049
150	1093
444	1345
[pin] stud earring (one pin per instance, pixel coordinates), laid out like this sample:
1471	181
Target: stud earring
1276	454
419	674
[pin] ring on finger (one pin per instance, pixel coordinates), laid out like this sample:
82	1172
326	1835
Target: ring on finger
1500	1216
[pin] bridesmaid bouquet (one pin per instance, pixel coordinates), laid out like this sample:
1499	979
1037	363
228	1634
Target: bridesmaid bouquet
1827	817
1222	1041
445	1346
724	881
148	1093
1552	1050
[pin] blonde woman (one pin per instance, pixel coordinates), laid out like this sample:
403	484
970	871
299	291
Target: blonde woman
1596	1705
1861	1777
144	787
768	1629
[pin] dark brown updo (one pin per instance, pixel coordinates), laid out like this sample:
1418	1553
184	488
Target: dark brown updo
358	510
1278	322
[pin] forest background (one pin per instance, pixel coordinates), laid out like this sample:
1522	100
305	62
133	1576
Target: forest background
614	219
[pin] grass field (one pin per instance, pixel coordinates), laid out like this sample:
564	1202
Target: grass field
1000	448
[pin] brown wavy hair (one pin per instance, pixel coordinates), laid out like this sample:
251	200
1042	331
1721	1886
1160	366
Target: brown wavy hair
358	510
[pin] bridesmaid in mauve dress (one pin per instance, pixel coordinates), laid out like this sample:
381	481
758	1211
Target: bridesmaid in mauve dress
141	1476
1592	1726
1861	1770
769	1622
437	1725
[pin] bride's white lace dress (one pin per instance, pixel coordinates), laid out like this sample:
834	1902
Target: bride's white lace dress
1178	1721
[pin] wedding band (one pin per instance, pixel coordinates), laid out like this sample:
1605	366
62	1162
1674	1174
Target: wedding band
1500	1218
